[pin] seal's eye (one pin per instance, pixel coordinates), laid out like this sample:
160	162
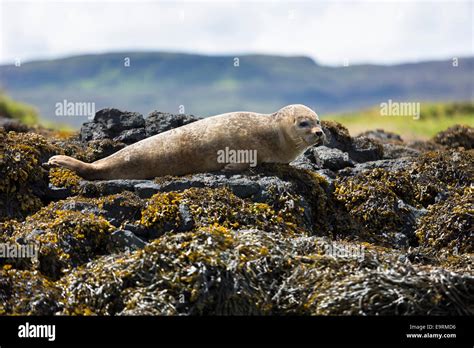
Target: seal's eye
304	124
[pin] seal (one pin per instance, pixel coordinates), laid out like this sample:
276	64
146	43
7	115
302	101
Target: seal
223	142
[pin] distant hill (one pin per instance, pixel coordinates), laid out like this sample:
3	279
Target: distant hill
207	85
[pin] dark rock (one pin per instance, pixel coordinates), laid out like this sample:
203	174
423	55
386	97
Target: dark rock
327	174
337	136
130	127
83	207
115	209
306	161
392	151
425	146
388	164
456	136
21	240
364	150
131	136
98	149
53	193
360	149
13	125
182	183
383	136
93	131
333	159
112	123
147	189
242	186
139	230
107	187
259	187
116	120
159	122
123	240
122	208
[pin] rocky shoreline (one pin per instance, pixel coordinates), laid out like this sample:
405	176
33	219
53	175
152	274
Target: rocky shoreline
366	225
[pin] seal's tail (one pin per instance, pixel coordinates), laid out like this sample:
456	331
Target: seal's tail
85	170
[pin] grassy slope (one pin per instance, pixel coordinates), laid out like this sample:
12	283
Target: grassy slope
434	117
26	114
10	108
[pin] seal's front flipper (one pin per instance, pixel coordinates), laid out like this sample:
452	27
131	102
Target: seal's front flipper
236	167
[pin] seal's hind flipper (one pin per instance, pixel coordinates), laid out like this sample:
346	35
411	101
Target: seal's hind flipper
85	170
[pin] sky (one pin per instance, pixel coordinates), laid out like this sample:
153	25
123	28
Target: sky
330	32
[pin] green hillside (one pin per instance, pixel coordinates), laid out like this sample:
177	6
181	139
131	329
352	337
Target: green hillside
434	117
13	109
207	85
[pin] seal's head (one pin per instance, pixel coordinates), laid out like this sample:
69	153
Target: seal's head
302	125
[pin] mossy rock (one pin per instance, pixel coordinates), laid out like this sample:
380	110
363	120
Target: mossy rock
439	172
380	201
395	288
24	292
337	135
388	204
197	272
371	281
22	179
64	178
208	207
65	239
98	149
448	225
218	271
456	136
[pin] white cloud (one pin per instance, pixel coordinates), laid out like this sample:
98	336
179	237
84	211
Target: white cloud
329	32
